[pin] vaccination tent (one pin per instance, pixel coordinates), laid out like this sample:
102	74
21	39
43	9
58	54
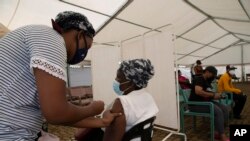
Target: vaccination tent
216	32
204	29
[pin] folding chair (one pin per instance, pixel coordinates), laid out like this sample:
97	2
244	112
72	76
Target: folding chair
248	77
80	95
141	132
227	101
186	112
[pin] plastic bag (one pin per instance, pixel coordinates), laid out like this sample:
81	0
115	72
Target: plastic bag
48	137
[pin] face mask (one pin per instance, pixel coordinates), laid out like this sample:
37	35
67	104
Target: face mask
232	72
80	54
210	79
116	87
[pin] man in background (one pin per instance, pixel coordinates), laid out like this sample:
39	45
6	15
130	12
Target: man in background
201	91
225	85
198	70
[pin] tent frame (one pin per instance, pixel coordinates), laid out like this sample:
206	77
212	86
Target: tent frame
208	18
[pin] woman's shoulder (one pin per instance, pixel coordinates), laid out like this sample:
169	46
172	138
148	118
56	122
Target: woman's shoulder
117	106
35	27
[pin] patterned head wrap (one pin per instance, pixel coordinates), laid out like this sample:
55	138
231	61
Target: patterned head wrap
72	20
139	71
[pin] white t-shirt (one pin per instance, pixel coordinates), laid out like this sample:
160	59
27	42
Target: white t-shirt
138	106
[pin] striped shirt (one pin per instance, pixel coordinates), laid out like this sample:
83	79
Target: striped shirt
28	47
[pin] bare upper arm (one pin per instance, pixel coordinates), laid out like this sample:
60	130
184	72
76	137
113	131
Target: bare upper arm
51	92
198	90
117	107
117	128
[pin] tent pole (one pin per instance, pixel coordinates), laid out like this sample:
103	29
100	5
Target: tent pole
242	64
111	17
114	16
204	46
234	43
244	8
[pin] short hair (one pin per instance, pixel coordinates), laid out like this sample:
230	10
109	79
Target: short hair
198	62
211	69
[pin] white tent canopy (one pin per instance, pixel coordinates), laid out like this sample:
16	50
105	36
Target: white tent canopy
202	28
216	32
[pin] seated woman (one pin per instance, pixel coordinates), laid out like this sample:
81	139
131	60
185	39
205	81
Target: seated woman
183	81
134	102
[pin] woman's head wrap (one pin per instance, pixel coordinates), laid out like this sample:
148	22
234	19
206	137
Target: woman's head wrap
73	20
139	71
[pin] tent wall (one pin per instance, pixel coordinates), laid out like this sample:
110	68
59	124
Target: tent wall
104	66
159	49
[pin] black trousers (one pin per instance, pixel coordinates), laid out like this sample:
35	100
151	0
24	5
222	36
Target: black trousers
239	100
91	134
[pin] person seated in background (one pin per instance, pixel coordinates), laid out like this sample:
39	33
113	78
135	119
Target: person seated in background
183	81
225	85
134	102
201	91
198	70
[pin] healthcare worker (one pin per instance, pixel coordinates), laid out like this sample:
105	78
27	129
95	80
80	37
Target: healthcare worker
33	77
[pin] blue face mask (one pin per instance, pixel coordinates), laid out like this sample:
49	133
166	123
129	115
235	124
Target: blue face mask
116	87
80	54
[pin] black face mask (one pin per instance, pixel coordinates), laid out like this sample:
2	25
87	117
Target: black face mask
80	54
210	80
